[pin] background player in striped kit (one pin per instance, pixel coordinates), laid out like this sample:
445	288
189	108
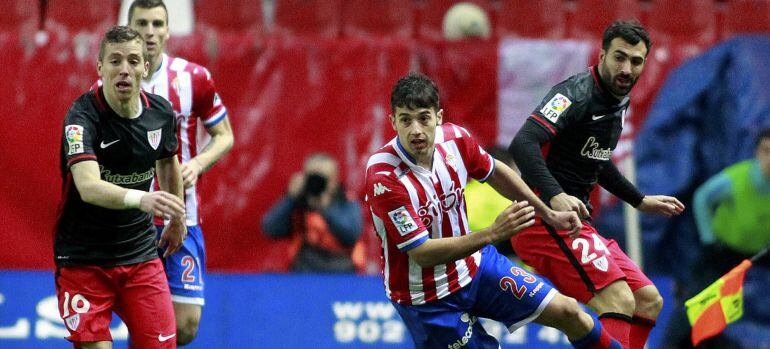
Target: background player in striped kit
191	91
438	274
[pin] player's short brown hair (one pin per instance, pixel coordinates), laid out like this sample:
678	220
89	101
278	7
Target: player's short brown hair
630	31
146	4
122	33
414	91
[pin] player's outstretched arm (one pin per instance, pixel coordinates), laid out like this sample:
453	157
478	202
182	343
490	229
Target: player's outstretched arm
170	180
220	144
515	218
96	191
663	205
509	184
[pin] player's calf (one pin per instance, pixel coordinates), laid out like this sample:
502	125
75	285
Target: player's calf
565	314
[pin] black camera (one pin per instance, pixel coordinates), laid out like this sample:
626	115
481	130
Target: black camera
315	184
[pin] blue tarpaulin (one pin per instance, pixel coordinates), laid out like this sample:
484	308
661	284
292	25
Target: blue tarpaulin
705	117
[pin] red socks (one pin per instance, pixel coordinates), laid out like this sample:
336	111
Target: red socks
619	326
640	330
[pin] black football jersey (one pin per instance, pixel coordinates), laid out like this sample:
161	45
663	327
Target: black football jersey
126	151
583	122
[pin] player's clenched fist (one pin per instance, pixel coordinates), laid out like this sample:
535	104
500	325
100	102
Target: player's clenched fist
162	204
512	220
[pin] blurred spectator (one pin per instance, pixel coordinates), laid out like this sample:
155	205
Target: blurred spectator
323	222
181	17
486	203
732	212
466	20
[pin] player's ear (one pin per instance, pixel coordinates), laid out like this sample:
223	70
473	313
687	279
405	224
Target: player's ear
602	53
439	116
392	121
146	69
99	68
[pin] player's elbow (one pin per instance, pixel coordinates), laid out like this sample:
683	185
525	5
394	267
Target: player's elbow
423	257
88	192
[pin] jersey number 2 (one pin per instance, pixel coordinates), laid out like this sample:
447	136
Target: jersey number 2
189	265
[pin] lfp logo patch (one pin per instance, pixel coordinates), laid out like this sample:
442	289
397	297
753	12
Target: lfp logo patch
74	136
557	105
402	220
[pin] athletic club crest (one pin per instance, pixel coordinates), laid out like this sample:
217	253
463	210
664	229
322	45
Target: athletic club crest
73	322
154	138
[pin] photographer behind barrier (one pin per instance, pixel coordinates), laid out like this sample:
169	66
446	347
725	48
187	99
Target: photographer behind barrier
323	222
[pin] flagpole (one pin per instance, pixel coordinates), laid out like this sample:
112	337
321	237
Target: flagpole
761	254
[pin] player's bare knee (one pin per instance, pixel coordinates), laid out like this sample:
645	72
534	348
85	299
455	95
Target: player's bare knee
186	331
570	310
186	335
649	304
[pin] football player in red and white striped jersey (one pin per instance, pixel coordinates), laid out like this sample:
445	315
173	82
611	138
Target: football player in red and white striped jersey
438	274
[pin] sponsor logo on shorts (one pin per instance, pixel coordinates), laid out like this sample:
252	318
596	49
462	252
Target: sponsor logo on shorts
162	338
74	136
536	290
462	342
402	220
555	107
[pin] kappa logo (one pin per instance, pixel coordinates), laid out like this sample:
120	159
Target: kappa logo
380	189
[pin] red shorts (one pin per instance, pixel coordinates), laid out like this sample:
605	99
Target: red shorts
138	293
578	267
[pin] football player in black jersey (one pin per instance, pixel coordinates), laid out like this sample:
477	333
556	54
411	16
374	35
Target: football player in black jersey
115	140
565	148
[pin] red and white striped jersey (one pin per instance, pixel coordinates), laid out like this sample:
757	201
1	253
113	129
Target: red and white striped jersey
190	89
410	204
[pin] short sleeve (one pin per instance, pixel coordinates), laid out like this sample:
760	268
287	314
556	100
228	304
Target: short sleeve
79	135
170	142
390	203
479	164
207	104
556	111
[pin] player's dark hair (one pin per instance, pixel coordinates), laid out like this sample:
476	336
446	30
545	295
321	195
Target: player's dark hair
763	134
121	33
630	31
146	4
414	91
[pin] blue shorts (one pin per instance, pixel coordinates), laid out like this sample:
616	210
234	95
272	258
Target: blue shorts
185	268
501	290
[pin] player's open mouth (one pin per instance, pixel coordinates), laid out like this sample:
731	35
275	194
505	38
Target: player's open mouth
150	44
419	143
623	81
123	86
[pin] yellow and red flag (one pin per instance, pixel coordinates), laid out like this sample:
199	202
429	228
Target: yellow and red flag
720	304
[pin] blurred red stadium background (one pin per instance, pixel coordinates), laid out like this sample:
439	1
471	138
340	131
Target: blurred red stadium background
316	76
